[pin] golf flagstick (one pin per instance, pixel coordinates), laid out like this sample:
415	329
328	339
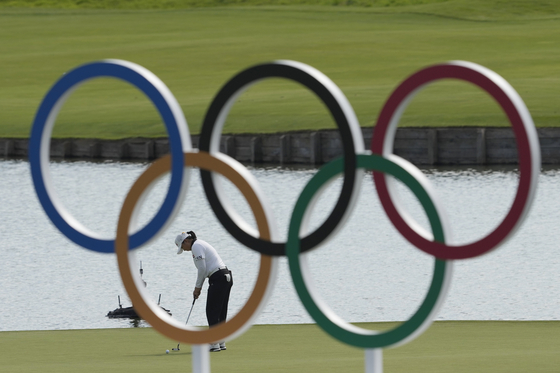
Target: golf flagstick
186	322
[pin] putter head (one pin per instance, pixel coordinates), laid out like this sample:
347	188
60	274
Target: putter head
175	349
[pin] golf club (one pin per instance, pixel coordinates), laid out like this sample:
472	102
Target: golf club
186	322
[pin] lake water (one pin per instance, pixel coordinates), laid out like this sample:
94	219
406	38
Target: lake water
368	272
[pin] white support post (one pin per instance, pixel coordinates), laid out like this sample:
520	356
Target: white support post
374	360
200	358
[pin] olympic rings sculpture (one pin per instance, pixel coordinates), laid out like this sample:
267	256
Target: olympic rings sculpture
352	165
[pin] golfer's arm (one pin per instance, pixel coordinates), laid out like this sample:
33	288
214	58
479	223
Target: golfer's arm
201	266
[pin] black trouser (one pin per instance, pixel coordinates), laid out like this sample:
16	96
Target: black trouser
218	296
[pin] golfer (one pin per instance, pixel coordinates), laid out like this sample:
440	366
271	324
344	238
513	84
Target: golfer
209	264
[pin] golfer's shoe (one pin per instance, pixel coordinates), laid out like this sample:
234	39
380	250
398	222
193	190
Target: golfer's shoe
222	346
215	347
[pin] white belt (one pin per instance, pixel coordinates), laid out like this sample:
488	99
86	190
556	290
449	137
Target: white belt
216	270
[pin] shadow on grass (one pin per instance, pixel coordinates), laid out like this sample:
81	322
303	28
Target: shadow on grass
161	354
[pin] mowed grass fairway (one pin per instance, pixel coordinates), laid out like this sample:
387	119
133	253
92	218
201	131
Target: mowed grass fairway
467	346
365	51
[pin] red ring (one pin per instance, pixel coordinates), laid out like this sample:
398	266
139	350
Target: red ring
527	146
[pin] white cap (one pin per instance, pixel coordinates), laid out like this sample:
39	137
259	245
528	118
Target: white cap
179	241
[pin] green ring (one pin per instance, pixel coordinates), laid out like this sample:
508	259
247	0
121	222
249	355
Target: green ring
343	331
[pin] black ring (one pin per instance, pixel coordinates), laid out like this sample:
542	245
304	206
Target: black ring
287	70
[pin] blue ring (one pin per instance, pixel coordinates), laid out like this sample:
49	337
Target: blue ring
67	82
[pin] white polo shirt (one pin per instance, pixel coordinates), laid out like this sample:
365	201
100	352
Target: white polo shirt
206	260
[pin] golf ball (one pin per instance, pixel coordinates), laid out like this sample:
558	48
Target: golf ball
166	351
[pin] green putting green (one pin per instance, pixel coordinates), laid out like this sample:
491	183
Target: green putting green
447	346
366	51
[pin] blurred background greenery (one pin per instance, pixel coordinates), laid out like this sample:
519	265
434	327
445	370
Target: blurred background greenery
366	47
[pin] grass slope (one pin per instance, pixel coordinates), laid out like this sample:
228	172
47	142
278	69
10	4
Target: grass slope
464	9
366	51
468	346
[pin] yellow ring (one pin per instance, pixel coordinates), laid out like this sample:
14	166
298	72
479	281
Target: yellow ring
153	313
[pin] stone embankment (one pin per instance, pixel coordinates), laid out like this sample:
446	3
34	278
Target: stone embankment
421	146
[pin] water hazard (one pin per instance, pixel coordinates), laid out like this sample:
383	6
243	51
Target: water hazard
367	272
